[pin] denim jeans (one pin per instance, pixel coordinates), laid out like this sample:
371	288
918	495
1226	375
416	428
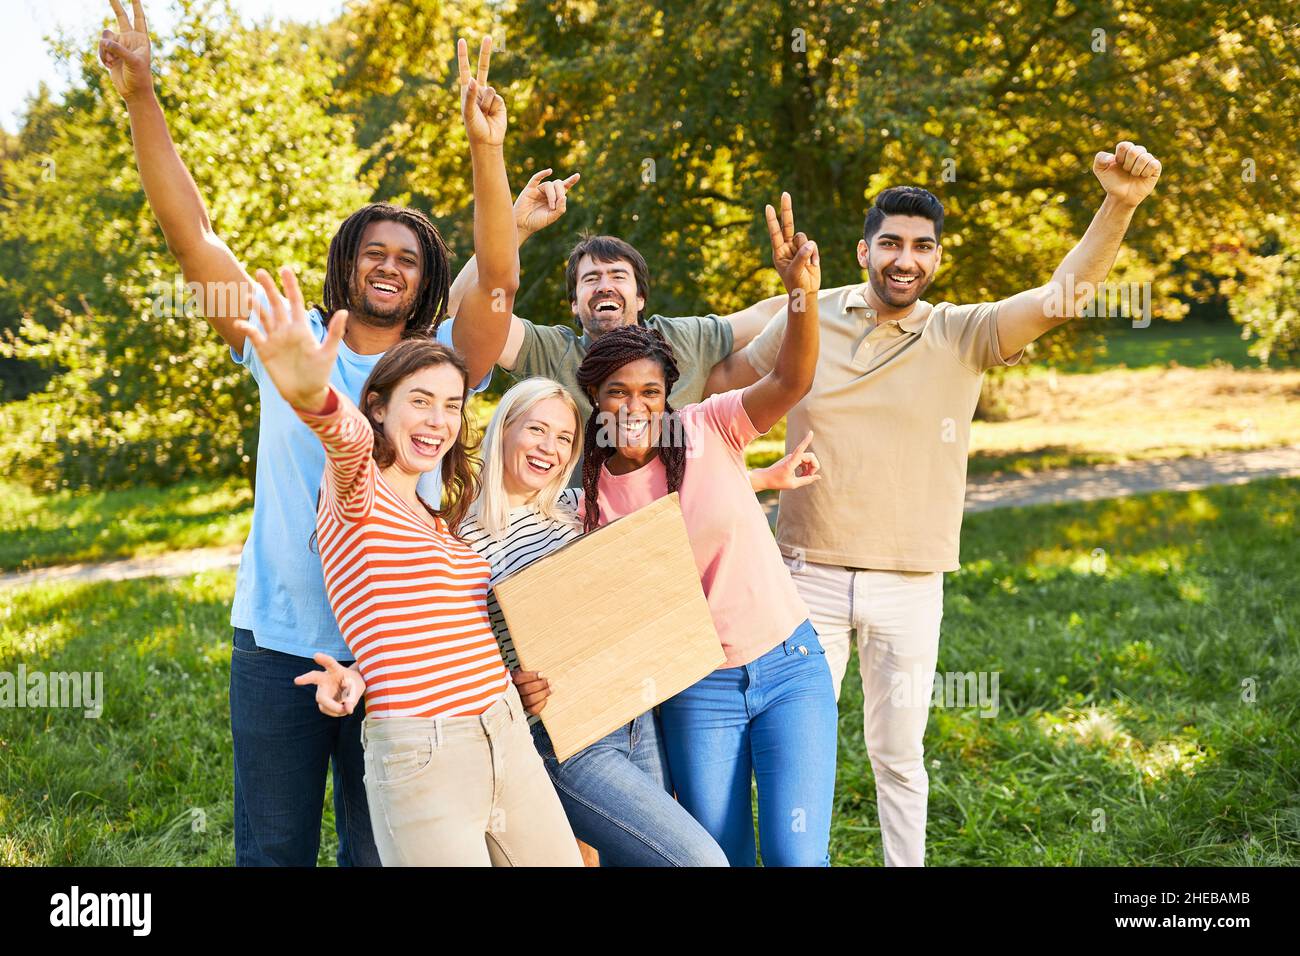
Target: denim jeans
773	721
283	749
618	797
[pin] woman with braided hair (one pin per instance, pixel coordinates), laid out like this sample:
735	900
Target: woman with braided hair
769	712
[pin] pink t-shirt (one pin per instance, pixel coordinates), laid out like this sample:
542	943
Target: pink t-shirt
753	600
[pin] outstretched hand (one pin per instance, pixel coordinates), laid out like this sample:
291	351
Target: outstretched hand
1128	174
541	203
299	365
482	108
126	52
793	253
796	469
338	688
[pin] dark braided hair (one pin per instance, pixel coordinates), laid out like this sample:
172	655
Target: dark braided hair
607	355
435	265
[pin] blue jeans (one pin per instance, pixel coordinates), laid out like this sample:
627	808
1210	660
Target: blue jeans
283	748
773	720
618	798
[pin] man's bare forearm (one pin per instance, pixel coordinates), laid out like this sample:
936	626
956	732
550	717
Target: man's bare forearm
496	242
168	185
1089	263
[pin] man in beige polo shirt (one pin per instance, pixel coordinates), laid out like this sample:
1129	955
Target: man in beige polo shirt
890	409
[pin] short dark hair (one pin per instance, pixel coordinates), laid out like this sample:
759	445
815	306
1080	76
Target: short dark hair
435	264
608	249
903	201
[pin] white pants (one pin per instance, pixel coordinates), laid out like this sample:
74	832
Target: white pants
896	616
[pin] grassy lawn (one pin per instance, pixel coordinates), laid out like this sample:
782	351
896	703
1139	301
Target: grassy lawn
1189	343
38	530
1120	677
1062	420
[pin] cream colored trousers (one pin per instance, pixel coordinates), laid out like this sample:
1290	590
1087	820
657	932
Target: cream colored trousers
463	791
896	617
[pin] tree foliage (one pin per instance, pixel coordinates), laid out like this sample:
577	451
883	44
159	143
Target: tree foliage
684	119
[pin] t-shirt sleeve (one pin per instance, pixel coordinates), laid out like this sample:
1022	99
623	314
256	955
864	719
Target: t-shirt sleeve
443	337
762	350
971	333
542	350
724	415
248	358
348	486
700	340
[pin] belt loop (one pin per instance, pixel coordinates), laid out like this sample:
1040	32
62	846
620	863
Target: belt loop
437	733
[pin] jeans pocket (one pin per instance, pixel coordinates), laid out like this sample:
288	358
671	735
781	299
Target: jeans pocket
403	760
804	642
244	643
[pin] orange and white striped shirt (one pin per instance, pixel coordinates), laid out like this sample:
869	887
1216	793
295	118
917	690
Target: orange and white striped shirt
410	601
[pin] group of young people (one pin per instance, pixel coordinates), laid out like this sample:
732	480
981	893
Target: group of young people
380	525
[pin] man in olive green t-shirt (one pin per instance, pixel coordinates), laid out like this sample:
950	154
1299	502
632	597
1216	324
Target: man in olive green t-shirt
608	284
890	409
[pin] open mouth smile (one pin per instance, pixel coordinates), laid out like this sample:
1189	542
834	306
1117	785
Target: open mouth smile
426	446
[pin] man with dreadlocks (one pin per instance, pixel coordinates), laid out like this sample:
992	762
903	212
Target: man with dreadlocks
769	713
389	269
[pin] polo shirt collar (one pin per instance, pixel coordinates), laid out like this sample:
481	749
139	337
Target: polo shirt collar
914	321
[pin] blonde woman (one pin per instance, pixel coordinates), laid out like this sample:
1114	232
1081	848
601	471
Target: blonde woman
617	792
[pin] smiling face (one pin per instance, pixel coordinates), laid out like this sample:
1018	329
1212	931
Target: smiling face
631	403
901	260
386	277
605	297
422	417
537	447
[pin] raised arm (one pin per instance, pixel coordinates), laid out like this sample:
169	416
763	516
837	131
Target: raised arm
540	203
300	368
1128	175
174	198
483	315
796	259
749	321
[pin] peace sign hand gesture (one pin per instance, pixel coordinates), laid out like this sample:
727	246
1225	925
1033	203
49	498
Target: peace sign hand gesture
126	52
338	688
793	253
299	365
482	108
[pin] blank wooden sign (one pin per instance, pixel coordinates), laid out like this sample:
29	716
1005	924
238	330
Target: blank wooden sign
616	620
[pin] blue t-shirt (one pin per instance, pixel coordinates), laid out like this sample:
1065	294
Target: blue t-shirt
280	588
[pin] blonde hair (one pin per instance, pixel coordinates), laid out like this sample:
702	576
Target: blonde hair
492	507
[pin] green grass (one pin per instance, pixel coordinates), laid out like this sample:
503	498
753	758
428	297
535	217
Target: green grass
63	528
1191	344
1121	688
1194	593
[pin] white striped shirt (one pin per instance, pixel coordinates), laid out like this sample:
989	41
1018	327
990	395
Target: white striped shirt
527	538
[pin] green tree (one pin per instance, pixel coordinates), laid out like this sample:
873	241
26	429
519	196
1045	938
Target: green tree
145	391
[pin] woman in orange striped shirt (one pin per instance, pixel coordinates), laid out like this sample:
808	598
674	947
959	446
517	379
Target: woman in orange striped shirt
451	772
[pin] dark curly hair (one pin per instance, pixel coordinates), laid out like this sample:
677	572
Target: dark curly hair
607	355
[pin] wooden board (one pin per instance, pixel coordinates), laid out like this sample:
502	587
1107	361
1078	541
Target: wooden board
616	621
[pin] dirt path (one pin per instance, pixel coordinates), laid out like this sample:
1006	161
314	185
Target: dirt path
982	494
